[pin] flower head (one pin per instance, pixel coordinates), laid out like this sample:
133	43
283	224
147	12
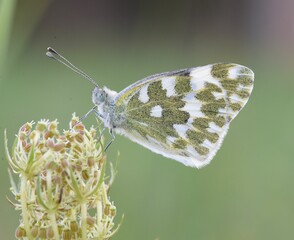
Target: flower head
61	181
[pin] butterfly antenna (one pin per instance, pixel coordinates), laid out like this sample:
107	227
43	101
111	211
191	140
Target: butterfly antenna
51	53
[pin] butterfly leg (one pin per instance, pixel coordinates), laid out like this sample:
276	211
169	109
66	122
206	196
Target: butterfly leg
101	134
93	109
111	141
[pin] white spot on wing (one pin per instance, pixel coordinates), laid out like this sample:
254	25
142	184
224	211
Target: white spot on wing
218	95
208	144
195	155
196	84
240	87
214	128
181	129
200	75
226	111
143	94
193	108
190	120
189	97
152	140
239	70
156	111
168	84
235	98
170	140
234	72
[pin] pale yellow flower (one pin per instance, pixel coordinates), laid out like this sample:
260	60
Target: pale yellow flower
62	180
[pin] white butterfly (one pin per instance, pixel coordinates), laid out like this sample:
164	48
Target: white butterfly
183	115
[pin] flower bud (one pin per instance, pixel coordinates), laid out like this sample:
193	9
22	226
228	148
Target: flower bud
57	180
34	231
79	137
90	161
53	126
112	210
64	163
58	147
50	232
51	166
74	226
27	148
26	128
90	221
66	234
93	132
41	126
85	175
48	134
20	232
79	127
74	121
106	209
43	233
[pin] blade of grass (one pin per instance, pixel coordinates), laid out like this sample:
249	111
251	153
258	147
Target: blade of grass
7	9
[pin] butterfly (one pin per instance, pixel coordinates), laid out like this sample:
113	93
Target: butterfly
183	115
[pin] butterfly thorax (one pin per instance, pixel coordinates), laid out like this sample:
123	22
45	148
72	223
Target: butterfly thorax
104	99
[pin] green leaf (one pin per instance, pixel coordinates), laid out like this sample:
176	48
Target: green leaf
30	159
12	183
39	197
117	228
14	165
96	188
75	185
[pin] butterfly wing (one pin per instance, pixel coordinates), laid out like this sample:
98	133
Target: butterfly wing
185	114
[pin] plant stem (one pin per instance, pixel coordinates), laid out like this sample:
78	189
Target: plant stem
7	8
54	225
104	194
84	220
23	196
99	216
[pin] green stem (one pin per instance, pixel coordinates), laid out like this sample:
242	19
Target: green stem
99	216
84	220
52	205
54	225
23	196
104	194
7	9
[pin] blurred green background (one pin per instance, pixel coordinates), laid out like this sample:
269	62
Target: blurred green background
247	191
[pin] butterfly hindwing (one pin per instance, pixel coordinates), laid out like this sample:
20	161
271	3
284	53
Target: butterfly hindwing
185	114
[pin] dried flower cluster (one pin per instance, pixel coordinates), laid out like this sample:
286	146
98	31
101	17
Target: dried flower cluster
62	193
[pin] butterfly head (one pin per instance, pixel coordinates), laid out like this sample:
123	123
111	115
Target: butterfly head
103	96
104	99
98	96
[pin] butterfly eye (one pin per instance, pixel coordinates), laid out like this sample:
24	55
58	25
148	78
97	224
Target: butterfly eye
98	96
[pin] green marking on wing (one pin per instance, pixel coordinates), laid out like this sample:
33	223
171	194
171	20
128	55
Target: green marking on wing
218	101
156	92
221	70
183	85
212	109
197	138
180	143
244	78
202	124
138	112
240	84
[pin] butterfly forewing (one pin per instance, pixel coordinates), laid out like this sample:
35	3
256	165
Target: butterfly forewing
185	114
